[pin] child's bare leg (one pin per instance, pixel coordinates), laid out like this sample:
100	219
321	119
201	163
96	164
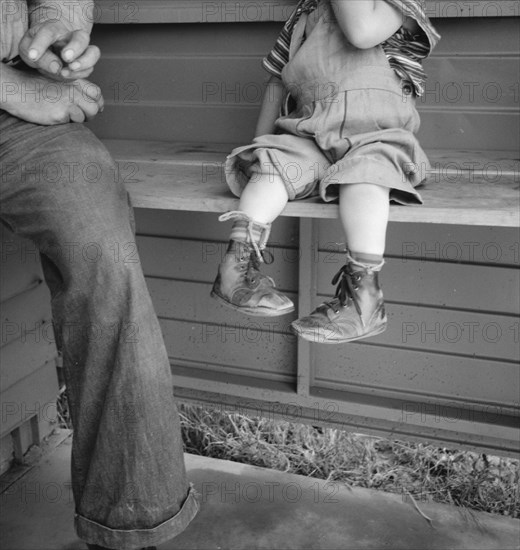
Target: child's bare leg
239	283
363	210
264	198
357	311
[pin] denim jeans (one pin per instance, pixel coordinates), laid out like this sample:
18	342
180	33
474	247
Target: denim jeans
61	189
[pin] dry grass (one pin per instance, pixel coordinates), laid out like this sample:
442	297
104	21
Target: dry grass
471	480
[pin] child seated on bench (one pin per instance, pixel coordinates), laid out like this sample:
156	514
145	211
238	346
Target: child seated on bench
338	118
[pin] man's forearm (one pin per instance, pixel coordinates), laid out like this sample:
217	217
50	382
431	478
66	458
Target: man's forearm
76	14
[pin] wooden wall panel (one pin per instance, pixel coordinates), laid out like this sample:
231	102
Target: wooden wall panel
33	396
206	227
19	265
234	125
493	246
472	130
448	331
198	261
435	284
183	300
240	83
21	358
228	349
417	374
471	81
27	316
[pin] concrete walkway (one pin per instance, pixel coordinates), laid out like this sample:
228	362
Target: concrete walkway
245	507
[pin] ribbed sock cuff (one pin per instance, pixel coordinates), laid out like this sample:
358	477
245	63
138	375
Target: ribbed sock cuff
366	259
242	233
250	232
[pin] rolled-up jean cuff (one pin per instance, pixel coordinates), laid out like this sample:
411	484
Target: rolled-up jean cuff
133	539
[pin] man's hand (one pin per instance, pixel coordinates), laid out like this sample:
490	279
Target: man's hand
40	100
59	51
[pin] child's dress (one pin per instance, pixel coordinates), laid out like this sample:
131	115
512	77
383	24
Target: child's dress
353	119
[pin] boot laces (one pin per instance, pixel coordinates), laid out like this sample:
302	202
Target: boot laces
253	265
259	248
345	291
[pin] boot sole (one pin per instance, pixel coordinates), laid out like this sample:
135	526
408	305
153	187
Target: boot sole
253	312
310	336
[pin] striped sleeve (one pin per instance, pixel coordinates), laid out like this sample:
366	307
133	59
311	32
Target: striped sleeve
415	10
406	50
278	57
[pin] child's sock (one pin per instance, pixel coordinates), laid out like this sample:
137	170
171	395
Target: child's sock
244	231
366	259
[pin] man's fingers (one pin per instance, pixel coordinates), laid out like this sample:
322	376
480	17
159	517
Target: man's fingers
49	63
68	75
40	48
42	38
56	51
91	91
83	65
75	47
76	114
89	109
89	98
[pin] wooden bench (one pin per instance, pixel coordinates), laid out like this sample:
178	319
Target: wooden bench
463	188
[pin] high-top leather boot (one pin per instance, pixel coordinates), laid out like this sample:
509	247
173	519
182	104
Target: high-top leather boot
241	286
357	311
